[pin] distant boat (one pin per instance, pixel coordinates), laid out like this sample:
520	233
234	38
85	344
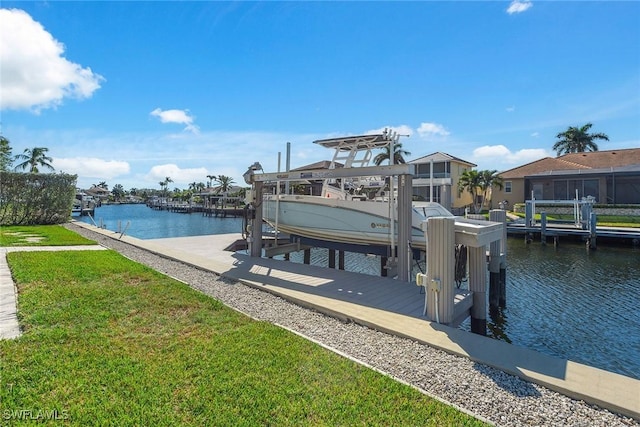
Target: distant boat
83	204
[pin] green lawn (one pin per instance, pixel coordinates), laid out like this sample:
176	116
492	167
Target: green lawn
41	235
111	342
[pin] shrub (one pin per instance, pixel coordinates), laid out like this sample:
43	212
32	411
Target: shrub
36	198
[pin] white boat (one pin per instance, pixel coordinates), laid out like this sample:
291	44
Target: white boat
354	210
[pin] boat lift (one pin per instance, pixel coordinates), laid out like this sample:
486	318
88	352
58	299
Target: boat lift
404	172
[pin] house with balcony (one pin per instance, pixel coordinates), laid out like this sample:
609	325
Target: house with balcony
611	177
436	179
446	172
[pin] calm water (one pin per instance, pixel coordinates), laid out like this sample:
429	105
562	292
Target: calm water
566	301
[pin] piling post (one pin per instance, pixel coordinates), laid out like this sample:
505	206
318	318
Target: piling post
332	258
593	220
256	223
529	219
307	256
383	266
543	228
503	259
341	260
404	227
497	279
478	285
441	271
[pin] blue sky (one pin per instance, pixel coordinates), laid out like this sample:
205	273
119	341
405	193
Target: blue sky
132	92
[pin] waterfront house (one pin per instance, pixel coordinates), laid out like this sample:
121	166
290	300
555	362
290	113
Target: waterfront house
446	172
311	186
611	177
99	193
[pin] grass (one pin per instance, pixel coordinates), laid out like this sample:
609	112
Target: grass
108	341
41	235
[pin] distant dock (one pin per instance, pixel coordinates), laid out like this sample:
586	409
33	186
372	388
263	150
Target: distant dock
584	225
553	232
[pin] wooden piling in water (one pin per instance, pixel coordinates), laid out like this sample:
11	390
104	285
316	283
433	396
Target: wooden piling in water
341	260
478	285
497	263
332	258
592	230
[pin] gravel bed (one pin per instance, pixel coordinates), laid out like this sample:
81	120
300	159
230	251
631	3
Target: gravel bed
485	392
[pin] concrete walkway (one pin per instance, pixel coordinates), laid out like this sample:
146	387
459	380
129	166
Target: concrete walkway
9	327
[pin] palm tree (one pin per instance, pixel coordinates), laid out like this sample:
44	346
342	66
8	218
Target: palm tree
5	154
166	182
224	183
118	192
33	158
470	181
488	180
398	156
164	185
211	178
577	140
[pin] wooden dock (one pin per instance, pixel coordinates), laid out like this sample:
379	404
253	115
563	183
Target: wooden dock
569	230
222	212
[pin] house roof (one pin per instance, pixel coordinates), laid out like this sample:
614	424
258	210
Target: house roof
595	161
323	164
440	157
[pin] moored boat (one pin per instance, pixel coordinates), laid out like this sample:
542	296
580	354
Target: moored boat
353	210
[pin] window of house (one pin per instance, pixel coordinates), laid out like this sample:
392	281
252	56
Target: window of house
507	186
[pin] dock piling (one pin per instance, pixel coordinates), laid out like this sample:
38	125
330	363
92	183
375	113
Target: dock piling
478	285
497	263
441	272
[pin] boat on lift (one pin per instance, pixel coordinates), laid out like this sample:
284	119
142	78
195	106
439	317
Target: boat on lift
360	210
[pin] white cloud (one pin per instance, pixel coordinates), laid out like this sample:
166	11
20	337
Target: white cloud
33	72
511	109
91	167
518	6
500	157
180	177
177	116
427	130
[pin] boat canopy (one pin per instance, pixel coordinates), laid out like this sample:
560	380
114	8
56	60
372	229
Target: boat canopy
359	142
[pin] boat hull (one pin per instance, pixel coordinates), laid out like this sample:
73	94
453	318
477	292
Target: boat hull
345	221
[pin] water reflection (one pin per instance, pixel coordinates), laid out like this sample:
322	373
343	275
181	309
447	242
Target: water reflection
573	303
497	324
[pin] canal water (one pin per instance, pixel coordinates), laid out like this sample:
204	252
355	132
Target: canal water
563	301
